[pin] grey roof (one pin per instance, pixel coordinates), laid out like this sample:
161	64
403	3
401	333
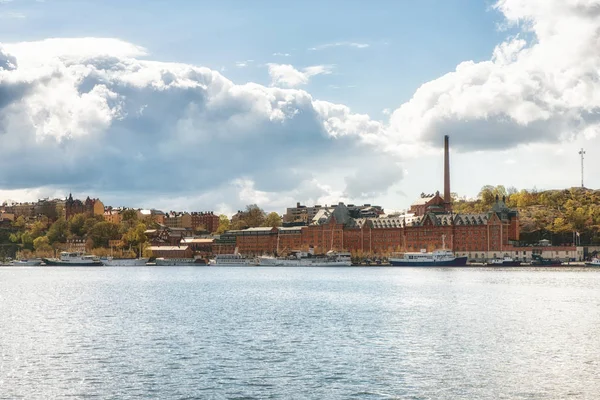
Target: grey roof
471	219
393	222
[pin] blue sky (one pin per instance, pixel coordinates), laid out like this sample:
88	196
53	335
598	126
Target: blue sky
385	81
410	42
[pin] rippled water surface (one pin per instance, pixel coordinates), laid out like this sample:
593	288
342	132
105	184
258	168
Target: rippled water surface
299	333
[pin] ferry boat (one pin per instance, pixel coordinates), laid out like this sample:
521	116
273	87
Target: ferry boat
504	262
594	263
123	262
231	260
303	259
437	258
74	259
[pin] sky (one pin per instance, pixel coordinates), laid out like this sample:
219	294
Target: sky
206	105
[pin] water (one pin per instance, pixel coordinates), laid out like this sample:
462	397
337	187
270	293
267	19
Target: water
299	333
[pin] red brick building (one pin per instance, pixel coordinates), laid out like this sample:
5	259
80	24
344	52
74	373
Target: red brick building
88	207
431	225
463	233
208	220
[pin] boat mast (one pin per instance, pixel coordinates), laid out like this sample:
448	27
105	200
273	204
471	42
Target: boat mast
443	242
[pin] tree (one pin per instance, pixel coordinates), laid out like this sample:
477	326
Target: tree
224	224
19	223
272	220
58	232
135	236
102	232
239	223
90	222
38	228
252	217
42	244
76	225
129	218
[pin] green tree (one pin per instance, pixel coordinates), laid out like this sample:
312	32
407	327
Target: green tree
42	244
58	232
272	220
129	218
19	223
90	222
135	236
76	225
101	232
38	228
224	224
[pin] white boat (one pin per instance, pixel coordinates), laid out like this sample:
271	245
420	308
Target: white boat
303	259
594	263
438	258
123	262
172	262
27	263
74	259
232	260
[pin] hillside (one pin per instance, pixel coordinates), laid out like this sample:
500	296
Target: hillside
552	214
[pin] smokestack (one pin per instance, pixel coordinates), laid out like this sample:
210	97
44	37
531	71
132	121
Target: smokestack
446	171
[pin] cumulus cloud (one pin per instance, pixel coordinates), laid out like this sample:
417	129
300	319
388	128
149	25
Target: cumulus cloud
373	180
545	89
91	116
288	76
96	115
340	44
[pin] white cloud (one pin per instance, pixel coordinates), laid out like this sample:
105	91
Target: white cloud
545	89
287	75
110	124
281	54
340	44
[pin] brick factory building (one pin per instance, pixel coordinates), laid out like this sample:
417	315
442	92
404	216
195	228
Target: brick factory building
432	225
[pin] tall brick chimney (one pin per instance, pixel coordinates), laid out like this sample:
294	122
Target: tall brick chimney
447	198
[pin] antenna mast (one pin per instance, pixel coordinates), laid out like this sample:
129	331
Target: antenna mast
581	153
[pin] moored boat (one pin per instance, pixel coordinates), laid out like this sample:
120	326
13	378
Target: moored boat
594	263
437	258
27	263
74	259
303	259
124	262
506	261
539	261
232	260
175	262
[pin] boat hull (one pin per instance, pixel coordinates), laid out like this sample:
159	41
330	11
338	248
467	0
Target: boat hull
273	262
125	262
591	264
57	263
457	262
506	264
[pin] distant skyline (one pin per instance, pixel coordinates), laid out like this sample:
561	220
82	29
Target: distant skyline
214	105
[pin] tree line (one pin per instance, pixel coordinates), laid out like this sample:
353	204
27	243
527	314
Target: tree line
44	238
562	216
